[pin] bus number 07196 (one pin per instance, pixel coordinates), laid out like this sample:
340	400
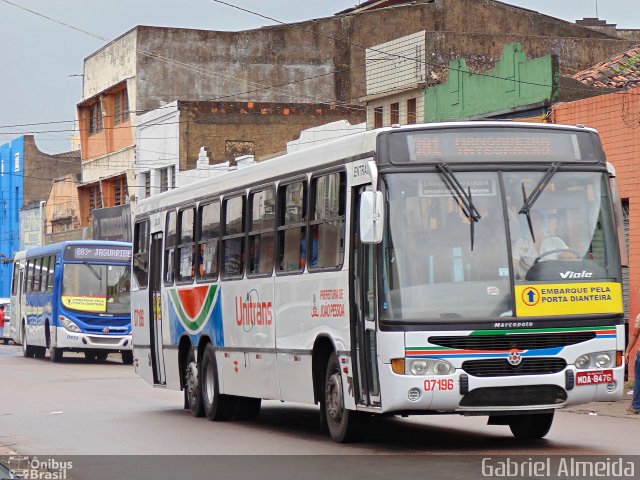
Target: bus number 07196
438	384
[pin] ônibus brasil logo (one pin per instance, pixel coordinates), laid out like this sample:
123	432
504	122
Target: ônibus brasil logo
250	311
194	306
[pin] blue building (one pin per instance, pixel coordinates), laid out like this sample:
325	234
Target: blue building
26	177
11	201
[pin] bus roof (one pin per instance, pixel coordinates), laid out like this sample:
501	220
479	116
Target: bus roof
315	157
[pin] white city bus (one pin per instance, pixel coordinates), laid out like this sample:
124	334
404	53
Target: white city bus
463	268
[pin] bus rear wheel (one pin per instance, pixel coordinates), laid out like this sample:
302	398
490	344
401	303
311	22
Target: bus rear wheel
192	396
344	425
530	426
216	405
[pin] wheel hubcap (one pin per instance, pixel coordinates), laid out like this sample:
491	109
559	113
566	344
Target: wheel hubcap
335	407
191	382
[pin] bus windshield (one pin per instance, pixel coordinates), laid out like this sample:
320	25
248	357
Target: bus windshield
440	264
96	288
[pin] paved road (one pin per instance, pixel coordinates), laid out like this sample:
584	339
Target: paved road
76	408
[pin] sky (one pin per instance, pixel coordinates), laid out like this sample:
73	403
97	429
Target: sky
41	59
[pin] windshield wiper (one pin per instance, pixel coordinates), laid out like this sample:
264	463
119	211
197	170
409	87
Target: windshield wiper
93	270
537	191
464	199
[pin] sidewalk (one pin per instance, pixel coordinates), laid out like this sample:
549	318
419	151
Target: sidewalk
608	409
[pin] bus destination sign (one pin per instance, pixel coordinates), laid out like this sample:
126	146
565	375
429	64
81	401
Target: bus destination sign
490	145
97	253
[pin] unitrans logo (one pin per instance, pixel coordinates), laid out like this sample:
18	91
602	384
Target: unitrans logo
250	311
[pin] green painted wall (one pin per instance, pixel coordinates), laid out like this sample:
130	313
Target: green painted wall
515	84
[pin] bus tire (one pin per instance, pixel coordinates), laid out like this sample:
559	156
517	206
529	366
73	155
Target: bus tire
247	408
530	426
344	425
27	350
56	354
217	407
39	352
127	357
192	386
89	356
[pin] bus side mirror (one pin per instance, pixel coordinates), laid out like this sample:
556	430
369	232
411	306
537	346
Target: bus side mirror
371	217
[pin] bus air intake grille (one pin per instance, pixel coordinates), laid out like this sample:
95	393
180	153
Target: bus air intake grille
508	342
500	367
514	396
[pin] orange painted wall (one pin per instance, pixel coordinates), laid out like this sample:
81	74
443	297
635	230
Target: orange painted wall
616	116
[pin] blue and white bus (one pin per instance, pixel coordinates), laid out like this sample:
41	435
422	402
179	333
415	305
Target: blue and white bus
73	297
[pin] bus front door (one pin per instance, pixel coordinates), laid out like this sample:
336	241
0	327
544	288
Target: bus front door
155	307
363	323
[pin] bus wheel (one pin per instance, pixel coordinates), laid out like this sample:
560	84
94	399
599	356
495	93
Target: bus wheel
530	426
344	425
191	387
247	408
216	405
56	354
89	356
27	350
127	357
39	352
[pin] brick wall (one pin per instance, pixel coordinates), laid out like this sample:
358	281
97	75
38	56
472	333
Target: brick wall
616	116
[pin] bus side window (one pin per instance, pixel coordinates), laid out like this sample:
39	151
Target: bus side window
186	245
208	238
37	274
51	273
233	237
170	248
327	221
292	227
141	253
14	279
261	235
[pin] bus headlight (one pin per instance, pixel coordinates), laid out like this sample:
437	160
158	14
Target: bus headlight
421	366
603	360
582	362
69	325
595	360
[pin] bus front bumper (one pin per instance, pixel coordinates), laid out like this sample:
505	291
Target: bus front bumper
83	341
461	393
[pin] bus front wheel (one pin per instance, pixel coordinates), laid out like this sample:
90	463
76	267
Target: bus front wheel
217	406
530	426
127	357
192	395
344	425
55	354
27	350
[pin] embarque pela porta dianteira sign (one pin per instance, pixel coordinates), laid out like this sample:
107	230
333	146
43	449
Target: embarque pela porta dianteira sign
563	299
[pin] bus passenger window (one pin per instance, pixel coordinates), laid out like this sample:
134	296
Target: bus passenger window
141	253
208	238
327	221
233	237
292	227
170	239
186	245
261	235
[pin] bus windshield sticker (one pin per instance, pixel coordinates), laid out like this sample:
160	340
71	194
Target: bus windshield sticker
86	304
